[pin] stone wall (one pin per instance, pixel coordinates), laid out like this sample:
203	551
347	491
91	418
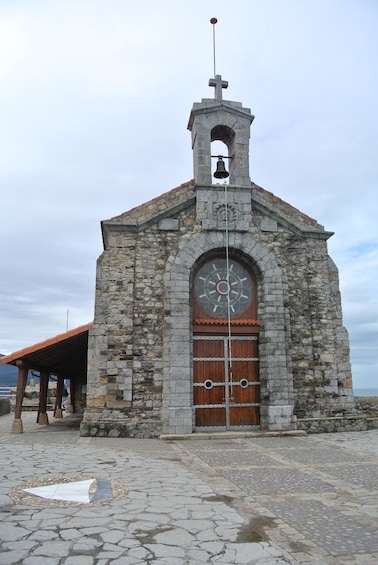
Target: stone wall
318	342
125	357
139	358
358	423
4	406
334	424
367	405
364	418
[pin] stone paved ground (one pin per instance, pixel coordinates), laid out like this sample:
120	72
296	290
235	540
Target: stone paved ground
266	501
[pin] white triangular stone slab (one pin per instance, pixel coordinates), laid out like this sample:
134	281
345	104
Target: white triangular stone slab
72	492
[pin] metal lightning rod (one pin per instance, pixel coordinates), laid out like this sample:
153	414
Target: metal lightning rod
213	21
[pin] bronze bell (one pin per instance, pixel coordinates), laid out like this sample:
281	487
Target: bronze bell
221	172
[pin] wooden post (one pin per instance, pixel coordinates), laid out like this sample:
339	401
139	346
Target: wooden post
42	417
58	400
17	427
70	399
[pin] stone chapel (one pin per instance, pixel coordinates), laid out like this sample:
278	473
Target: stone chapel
217	305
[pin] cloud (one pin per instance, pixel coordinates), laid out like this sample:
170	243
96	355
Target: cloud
94	106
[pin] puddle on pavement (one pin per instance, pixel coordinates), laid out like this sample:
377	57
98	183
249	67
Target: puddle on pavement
218	498
254	531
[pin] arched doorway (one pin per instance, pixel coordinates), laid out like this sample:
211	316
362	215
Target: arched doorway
226	385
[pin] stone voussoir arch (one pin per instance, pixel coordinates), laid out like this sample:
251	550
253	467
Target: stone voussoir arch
275	374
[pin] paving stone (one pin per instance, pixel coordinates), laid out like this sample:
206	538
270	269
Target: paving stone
79	560
92	531
124	560
114	536
227	532
228	556
70	534
13	557
20	517
212	547
198	555
170	561
194	526
43	535
49	515
52	548
161	550
229	516
175	536
141	553
207	535
87	544
156	518
129	542
40	560
111	555
248	552
24	544
83	522
144	526
11	532
30	525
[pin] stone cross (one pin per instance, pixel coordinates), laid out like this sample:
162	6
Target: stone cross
218	84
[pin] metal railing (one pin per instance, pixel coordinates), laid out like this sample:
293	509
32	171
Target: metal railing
7	392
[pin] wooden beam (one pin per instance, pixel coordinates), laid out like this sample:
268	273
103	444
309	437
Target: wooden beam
42	417
17	427
59	395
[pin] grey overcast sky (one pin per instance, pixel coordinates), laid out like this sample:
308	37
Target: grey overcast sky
94	102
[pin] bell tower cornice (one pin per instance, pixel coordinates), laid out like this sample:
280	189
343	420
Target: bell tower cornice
209	105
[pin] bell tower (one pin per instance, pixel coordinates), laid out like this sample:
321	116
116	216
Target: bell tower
215	119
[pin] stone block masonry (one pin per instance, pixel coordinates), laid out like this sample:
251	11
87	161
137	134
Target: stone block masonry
140	345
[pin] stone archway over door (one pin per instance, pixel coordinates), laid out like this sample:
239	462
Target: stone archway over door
226	386
274	365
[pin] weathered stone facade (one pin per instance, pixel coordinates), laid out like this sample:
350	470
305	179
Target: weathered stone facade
140	358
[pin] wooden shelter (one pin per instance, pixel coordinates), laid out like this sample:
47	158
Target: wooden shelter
64	356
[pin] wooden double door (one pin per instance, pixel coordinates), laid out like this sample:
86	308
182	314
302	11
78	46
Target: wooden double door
226	381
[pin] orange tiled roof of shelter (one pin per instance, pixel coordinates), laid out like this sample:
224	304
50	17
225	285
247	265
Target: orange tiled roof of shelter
44	344
64	354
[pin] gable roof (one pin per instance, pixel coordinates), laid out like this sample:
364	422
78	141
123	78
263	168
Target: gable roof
162	206
179	198
286	214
